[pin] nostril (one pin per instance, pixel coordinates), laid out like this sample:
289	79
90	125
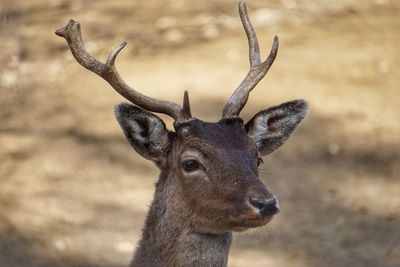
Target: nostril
266	206
258	203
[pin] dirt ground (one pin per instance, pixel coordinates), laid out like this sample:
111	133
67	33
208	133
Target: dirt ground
73	192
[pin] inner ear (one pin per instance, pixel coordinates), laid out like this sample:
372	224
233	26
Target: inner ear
146	132
271	127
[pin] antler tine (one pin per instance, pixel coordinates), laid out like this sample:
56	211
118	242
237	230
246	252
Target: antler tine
258	69
72	34
186	104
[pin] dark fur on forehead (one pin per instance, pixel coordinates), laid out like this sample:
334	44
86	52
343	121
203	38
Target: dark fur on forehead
192	123
232	120
224	133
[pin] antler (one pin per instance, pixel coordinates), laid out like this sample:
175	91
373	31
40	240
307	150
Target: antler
72	34
258	69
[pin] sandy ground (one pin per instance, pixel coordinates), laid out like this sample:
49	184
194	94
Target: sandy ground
72	191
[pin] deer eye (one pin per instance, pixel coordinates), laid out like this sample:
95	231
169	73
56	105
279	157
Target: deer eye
259	162
190	165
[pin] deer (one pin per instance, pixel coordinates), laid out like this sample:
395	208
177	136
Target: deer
209	184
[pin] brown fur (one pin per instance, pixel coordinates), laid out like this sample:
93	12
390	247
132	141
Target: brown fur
194	212
192	216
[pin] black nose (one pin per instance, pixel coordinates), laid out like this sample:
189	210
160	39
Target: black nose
265	206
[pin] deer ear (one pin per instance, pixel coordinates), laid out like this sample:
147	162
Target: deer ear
146	132
271	127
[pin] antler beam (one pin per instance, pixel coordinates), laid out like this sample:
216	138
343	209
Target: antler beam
72	34
258	69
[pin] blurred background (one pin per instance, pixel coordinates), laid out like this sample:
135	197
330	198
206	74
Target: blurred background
74	193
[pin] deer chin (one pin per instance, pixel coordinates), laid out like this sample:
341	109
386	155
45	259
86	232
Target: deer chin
243	223
231	222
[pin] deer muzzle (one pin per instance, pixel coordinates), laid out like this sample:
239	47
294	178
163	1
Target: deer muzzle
266	207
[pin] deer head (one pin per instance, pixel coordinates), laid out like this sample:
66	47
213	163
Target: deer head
213	164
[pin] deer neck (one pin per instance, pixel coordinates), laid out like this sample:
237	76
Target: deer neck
168	238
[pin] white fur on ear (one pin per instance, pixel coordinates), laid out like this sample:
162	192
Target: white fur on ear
270	128
260	127
146	132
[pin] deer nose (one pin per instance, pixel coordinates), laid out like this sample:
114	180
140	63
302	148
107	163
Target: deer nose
267	207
